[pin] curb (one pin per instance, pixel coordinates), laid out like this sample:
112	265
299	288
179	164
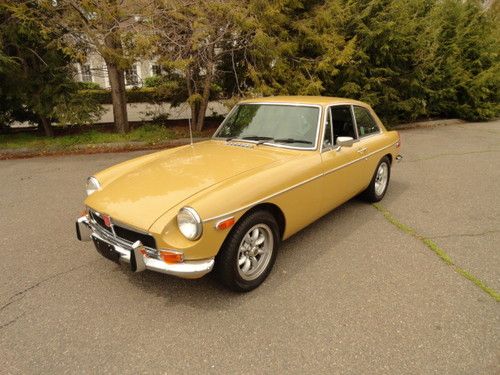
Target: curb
428	124
24	153
99	148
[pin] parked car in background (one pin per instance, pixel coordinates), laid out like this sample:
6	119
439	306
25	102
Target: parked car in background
274	166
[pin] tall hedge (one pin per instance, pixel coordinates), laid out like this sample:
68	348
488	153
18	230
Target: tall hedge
408	58
136	95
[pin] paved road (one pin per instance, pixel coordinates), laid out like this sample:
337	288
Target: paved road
351	294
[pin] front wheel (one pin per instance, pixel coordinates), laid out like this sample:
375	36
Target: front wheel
249	252
380	181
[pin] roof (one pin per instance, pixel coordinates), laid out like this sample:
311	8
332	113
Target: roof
318	100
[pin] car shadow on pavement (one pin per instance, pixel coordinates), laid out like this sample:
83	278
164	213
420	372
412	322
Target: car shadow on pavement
327	234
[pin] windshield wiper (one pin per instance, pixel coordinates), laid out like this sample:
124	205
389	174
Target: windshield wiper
258	138
292	140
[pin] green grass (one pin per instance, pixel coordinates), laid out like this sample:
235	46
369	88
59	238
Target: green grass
440	252
391	219
436	249
150	134
479	283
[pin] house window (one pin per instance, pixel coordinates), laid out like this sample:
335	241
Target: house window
131	77
156	70
86	73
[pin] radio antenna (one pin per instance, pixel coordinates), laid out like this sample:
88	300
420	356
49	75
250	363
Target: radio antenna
190	129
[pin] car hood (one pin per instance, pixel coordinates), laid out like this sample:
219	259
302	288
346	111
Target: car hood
142	192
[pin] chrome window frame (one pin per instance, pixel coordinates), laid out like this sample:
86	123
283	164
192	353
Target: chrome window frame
328	115
305	148
327	110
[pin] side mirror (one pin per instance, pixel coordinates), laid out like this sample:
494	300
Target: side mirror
344	142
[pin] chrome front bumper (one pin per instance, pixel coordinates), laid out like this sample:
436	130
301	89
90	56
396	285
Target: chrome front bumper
132	253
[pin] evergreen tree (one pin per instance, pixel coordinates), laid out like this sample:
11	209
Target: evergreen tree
462	74
409	59
36	78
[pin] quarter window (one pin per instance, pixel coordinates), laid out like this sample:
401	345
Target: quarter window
327	140
365	122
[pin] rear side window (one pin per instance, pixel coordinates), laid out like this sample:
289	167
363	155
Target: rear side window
365	122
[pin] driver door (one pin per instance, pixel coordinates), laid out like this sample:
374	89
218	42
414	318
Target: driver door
342	166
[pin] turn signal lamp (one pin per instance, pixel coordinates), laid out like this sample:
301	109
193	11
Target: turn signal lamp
169	256
225	224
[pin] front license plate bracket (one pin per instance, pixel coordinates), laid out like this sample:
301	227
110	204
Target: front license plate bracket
106	250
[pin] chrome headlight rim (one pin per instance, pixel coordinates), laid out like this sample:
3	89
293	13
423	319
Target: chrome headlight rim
93	185
196	222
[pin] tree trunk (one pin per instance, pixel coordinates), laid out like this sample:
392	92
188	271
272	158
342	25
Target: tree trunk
46	125
117	83
193	105
194	115
202	108
116	77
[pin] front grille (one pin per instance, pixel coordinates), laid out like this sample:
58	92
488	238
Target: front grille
98	219
123	233
133	236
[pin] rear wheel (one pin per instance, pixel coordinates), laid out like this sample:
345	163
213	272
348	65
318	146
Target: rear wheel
249	252
380	181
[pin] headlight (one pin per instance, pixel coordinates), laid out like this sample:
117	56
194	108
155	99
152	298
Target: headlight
189	223
92	185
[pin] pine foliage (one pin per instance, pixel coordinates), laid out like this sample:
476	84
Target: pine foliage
408	58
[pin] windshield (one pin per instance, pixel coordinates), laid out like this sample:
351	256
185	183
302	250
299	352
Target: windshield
271	123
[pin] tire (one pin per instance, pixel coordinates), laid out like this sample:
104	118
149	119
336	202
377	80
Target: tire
375	191
243	263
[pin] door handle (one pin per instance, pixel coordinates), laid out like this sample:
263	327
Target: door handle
362	150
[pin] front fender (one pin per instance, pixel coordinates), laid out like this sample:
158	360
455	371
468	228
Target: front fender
294	186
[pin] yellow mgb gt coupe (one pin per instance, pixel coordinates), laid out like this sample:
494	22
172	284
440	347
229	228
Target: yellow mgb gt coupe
274	166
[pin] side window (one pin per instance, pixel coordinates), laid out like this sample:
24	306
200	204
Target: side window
327	140
365	122
342	123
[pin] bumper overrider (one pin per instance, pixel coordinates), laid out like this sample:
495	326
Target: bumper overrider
136	254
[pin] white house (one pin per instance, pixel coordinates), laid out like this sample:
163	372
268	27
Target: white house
94	70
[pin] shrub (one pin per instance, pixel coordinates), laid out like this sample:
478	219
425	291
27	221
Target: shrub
135	95
101	96
153	81
88	86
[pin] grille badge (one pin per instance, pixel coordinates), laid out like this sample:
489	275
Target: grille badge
107	220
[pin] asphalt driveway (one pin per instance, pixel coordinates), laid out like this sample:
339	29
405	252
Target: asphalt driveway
407	287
